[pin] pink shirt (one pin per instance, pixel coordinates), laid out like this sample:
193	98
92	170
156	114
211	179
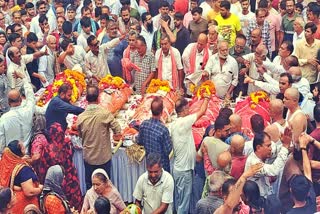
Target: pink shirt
274	22
187	19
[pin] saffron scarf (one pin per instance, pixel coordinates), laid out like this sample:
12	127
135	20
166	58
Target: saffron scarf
175	79
193	57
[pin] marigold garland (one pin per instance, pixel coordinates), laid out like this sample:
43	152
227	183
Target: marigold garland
157	84
206	88
74	78
256	97
112	82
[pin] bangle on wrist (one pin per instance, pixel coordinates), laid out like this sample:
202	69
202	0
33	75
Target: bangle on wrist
305	149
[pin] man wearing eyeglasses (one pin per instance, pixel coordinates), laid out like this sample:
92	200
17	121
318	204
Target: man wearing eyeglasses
96	65
240	49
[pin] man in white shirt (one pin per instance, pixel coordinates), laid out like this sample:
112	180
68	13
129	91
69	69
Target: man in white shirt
168	64
246	16
147	29
195	56
17	123
154	188
47	64
164	10
96	63
262	151
72	55
222	69
42	9
298	27
18	65
184	152
85	23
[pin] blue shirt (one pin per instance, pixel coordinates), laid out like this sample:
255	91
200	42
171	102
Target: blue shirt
155	138
58	110
114	56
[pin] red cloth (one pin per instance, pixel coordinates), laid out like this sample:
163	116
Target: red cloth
193	58
175	79
237	166
181	6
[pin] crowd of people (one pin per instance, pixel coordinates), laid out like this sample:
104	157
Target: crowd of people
242	46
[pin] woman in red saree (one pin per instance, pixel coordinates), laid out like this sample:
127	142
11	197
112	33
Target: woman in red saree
58	151
17	174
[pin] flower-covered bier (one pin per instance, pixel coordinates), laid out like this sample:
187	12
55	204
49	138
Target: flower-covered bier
112	82
157	84
74	78
258	96
206	88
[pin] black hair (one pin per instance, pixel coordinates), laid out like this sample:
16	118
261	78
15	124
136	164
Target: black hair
300	6
316	112
263	4
312	26
153	159
87	3
259	139
241	36
85	22
39	3
104	17
64	44
178	16
64	88
196	10
15	148
67	27
32	37
92	93
225	112
29	5
252	194
164	4
289	46
315	9
21	2
97	12
142	40
288	75
226	186
221	122
300	187
84	8
283	5
42	18
144	16
23	12
125	2
225	4
13	37
5	198
257	123
124	8
102	205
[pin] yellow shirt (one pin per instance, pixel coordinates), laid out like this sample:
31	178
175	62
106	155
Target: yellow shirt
228	28
304	51
212	15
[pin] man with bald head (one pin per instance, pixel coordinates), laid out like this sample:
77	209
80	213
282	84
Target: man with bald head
276	114
238	158
17	123
196	55
222	70
256	39
252	62
224	161
236	128
295	117
18	66
299	82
